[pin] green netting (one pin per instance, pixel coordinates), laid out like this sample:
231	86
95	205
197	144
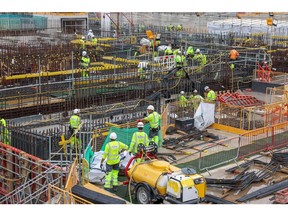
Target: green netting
40	22
88	153
16	22
4	24
125	135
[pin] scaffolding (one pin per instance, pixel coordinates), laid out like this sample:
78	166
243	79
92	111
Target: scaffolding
24	178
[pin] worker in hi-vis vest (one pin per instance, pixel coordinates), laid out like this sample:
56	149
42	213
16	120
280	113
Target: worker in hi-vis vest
233	55
139	137
74	124
154	121
112	154
82	43
94	40
4	133
168	50
194	100
182	100
85	62
211	95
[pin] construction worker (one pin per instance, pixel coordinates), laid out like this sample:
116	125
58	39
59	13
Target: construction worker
90	34
211	95
247	41
85	62
189	55
190	52
139	137
199	59
142	70
158	40
154	121
182	100
195	100
179	27
233	55
180	63
170	28
112	154
175	52
155	53
142	28
82	43
168	50
74	124
136	54
5	137
94	40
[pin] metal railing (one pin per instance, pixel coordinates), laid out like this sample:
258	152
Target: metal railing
218	153
263	139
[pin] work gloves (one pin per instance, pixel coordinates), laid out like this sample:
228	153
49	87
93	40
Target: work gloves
101	166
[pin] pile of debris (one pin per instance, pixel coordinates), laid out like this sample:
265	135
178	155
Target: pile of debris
245	177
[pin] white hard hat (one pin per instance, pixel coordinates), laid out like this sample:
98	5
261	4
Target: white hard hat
113	136
84	53
83	37
179	52
76	111
150	107
206	87
140	125
197	51
195	91
182	92
90	30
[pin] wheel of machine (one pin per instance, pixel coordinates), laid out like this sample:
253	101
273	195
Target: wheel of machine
143	195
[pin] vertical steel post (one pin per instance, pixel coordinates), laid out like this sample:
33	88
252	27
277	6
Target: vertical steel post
50	147
39	72
72	70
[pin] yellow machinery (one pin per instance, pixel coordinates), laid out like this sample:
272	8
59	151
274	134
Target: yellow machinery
156	180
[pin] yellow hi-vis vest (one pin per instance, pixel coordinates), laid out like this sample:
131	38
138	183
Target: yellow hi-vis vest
3	122
182	101
112	152
75	121
137	138
211	96
153	119
94	41
85	61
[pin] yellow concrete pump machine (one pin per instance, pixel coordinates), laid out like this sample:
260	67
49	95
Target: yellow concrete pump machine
156	180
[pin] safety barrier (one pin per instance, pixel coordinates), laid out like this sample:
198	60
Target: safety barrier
218	153
263	139
166	62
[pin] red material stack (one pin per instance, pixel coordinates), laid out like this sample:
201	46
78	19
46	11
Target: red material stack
282	196
237	99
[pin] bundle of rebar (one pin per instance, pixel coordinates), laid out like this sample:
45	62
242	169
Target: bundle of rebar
280	158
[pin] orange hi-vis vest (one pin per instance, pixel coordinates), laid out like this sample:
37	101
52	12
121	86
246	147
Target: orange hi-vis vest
234	54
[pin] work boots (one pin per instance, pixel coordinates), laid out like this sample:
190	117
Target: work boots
115	188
